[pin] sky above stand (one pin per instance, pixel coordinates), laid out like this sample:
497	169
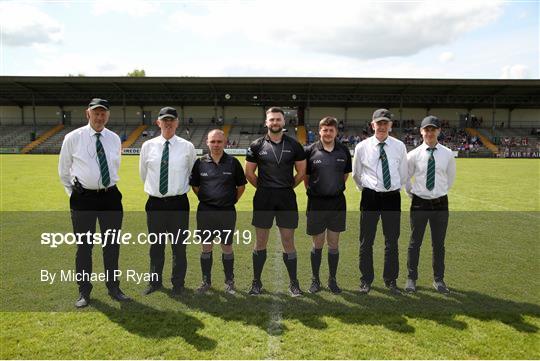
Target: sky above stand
454	39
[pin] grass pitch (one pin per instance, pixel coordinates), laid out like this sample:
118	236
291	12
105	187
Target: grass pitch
492	269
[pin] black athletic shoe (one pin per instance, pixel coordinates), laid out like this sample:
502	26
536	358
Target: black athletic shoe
82	301
117	295
392	287
440	286
151	289
204	287
178	290
229	287
315	286
256	288
365	287
333	286
294	289
410	286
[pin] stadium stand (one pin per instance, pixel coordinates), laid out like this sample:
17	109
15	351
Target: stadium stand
469	142
240	103
18	136
42	138
133	136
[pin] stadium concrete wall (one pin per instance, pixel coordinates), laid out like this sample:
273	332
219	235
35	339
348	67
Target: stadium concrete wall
10	115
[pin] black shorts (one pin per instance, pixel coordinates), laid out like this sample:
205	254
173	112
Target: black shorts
326	213
275	202
215	222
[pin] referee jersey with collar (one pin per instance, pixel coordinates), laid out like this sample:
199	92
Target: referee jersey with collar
275	161
326	169
217	182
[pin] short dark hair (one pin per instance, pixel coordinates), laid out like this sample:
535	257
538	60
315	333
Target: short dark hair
328	122
275	110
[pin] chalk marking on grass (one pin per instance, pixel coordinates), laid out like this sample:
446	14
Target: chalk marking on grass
275	328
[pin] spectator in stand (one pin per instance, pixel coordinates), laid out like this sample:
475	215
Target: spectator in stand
190	120
220	120
341	126
311	137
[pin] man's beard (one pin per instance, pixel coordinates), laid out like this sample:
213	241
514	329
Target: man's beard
280	129
328	142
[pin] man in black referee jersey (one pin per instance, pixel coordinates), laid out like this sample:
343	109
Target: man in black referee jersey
275	155
218	180
328	166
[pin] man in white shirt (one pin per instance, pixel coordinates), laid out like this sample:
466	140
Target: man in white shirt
88	168
165	165
432	170
380	170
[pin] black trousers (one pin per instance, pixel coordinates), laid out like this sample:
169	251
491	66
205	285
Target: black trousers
387	207
168	215
106	207
435	212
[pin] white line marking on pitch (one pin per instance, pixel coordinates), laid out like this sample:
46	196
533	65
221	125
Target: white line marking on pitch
275	328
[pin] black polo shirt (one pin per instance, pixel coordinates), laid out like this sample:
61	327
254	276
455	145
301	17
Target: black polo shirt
217	182
275	161
326	169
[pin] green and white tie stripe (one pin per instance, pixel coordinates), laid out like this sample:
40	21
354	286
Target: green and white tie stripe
103	166
164	170
386	171
430	179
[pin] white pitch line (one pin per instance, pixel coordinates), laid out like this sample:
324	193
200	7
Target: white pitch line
274	329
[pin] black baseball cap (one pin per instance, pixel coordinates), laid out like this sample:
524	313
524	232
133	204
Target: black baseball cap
430	121
98	103
168	112
382	114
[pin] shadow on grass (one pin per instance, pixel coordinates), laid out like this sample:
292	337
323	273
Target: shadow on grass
148	322
377	308
268	312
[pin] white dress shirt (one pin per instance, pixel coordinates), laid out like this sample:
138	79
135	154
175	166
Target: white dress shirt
78	158
367	165
181	159
445	171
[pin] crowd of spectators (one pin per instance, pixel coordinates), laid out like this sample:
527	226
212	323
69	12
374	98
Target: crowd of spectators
511	141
